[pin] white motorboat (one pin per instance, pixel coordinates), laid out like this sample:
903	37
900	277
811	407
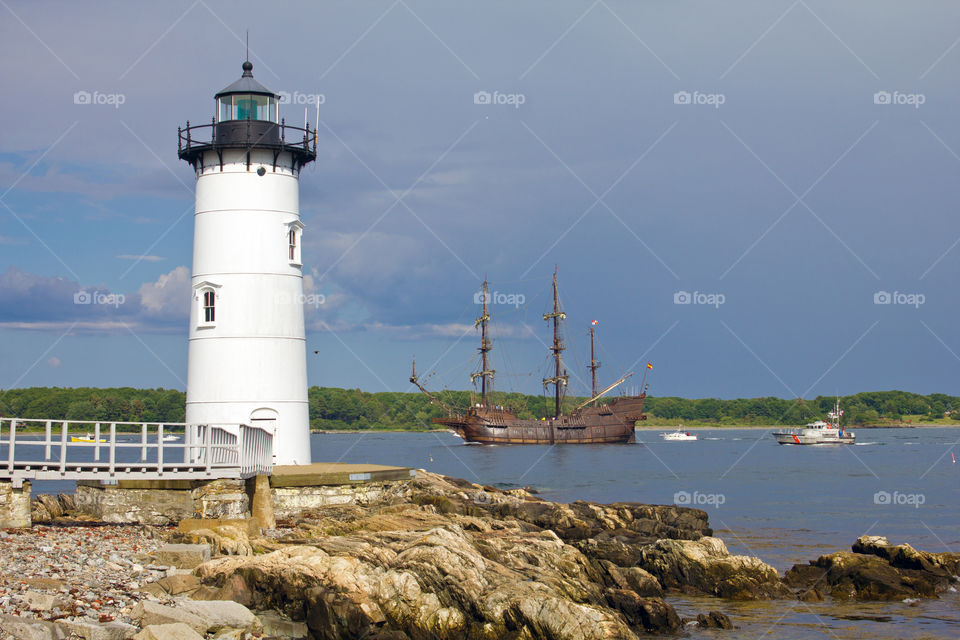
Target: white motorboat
678	436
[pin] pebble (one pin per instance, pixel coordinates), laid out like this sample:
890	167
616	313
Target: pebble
96	572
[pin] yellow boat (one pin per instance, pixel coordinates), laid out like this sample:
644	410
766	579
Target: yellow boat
87	438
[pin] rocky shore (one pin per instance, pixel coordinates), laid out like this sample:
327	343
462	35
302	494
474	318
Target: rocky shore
432	557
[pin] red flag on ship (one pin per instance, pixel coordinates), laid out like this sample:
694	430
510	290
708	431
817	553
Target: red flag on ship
594	322
649	366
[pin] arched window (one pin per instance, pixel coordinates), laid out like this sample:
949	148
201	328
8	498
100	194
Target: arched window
294	241
209	306
206	295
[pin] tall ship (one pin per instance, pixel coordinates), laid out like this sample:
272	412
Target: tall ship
591	422
819	432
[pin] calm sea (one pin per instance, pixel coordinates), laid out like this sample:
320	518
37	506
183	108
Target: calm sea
784	504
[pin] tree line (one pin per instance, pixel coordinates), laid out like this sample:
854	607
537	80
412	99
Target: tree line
333	408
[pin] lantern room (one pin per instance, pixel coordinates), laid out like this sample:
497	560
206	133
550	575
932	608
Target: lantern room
247	99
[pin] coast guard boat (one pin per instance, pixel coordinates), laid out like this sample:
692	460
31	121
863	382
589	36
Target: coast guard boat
818	432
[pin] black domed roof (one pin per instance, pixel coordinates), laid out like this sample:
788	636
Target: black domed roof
246	84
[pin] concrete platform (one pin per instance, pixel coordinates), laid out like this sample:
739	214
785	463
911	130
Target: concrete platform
336	473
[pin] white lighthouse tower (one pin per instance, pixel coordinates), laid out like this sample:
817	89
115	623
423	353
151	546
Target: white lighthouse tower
247	356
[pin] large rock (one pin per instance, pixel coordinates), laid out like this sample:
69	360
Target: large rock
642	582
94	631
705	566
182	556
844	575
36	601
876	570
275	624
30	628
651	614
151	613
174	631
221	614
225	540
179	583
903	556
442	583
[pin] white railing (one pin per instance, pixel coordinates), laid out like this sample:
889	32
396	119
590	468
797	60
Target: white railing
86	449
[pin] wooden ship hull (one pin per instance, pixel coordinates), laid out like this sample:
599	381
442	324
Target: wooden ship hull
592	422
609	423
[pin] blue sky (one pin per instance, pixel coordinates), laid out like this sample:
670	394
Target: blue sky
786	164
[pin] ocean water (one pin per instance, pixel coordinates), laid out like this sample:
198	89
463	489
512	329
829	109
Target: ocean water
783	504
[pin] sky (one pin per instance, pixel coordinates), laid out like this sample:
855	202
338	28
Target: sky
757	197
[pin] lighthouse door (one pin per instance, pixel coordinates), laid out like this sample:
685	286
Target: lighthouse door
266	419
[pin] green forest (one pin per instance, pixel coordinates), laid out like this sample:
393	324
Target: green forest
332	408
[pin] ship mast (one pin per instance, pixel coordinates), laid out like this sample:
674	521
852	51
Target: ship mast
485	348
557	380
594	365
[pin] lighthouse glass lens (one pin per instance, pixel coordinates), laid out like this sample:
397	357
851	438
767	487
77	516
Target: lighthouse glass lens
246	107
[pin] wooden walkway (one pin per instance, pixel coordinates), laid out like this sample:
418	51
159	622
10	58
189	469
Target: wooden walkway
113	451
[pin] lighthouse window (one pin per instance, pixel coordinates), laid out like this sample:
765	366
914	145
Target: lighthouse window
209	307
294	230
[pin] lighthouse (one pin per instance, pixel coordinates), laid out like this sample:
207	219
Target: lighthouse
247	350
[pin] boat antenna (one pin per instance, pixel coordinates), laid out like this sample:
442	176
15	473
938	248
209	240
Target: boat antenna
248	45
558	380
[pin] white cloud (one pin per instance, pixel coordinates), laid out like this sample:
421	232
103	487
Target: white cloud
54	362
169	295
